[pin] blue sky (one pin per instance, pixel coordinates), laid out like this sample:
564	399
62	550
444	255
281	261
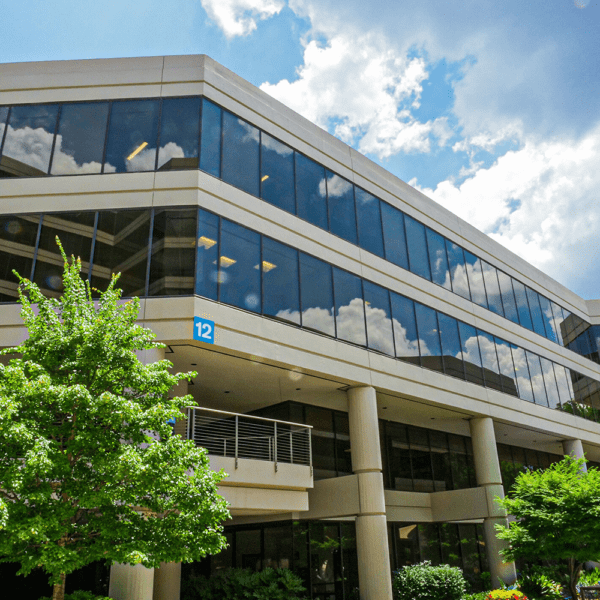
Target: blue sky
490	108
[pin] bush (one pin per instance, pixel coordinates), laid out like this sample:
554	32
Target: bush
477	596
425	582
81	595
506	595
587	578
241	584
539	586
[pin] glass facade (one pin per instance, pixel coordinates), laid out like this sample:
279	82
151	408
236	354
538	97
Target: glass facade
121	136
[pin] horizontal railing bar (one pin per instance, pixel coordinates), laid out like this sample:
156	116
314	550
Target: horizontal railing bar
224	412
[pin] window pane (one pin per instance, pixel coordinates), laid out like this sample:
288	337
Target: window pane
522	371
405	329
394	237
420	455
179	133
349	307
550	381
379	322
451	349
429	542
343	456
563	382
316	294
342	214
458	462
3	117
547	318
458	271
311	200
173	253
418	258
522	304
429	339
75	231
489	360
399	457
508	297
207	271
440	458
450	544
438	260
278	551
240	153
281	285
247	549
277	173
28	141
322	440
239	271
476	285
471	355
122	247
368	214
507	367
80	139
536	312
537	379
492	288
210	144
557	322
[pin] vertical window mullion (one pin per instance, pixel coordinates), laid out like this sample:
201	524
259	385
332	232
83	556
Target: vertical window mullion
8	114
93	248
295	194
261	272
159	127
150	238
108	117
221	149
36	246
58	113
219	260
200	132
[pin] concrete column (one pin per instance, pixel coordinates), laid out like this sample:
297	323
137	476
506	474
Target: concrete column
129	582
167	581
374	574
574	448
487	470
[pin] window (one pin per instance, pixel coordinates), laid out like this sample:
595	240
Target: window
406	338
342	213
207	255
394	237
311	193
277	173
368	214
429	339
349	307
316	295
418	257
475	274
210	145
458	270
179	134
379	322
492	288
438	260
280	281
239	165
451	349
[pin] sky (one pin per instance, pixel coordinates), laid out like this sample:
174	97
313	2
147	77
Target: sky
490	108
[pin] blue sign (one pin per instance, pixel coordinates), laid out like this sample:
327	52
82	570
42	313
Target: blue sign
204	330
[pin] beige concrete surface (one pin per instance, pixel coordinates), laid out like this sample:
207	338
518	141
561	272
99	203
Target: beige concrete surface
167	582
129	582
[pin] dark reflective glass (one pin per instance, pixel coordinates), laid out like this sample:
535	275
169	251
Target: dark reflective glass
343	457
17	244
311	193
368	216
537	379
207	270
248	549
405	329
278	547
451	350
122	247
587	396
281	281
469	551
394	237
398	453
440	460
522	371
379	321
476	284
172	265
179	134
471	354
342	213
132	136
458	270
547	318
75	231
438	260
489	360
277	173
322	441
349	307
80	139
492	288
28	141
429	338
420	456
429	542
507	367
239	270
239	164
557	322
316	294
458	462
450	544
563	383
508	297
536	311
522	304
210	143
3	117
418	259
550	383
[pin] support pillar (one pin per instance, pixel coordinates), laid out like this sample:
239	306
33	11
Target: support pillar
167	581
487	470
374	573
574	448
129	582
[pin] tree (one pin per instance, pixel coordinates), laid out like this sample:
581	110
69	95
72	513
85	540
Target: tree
557	514
89	466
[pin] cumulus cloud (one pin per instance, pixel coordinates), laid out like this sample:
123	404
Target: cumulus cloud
239	17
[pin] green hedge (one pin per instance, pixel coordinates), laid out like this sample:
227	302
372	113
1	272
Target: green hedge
426	582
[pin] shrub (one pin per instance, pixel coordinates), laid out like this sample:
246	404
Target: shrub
425	582
540	586
587	578
81	595
477	596
506	595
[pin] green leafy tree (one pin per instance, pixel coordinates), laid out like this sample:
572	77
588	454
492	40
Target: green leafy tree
89	466
557	514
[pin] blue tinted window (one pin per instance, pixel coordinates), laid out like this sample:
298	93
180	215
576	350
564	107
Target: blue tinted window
394	237
522	371
438	259
207	270
429	337
405	328
508	297
537	379
316	294
277	173
547	317
379	321
349	307
132	136
370	235
311	195
280	281
522	304
239	271
563	383
557	321
489	360
418	258
550	382
476	284
342	214
3	117
210	146
451	349
458	270
239	164
536	312
471	354
492	288
179	134
507	367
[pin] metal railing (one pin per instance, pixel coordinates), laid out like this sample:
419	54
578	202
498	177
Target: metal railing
246	436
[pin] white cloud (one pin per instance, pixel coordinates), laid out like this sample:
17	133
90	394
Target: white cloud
239	17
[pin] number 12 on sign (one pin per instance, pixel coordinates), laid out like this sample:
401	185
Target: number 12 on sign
204	330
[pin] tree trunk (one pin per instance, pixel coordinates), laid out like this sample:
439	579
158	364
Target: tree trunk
58	592
574	572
